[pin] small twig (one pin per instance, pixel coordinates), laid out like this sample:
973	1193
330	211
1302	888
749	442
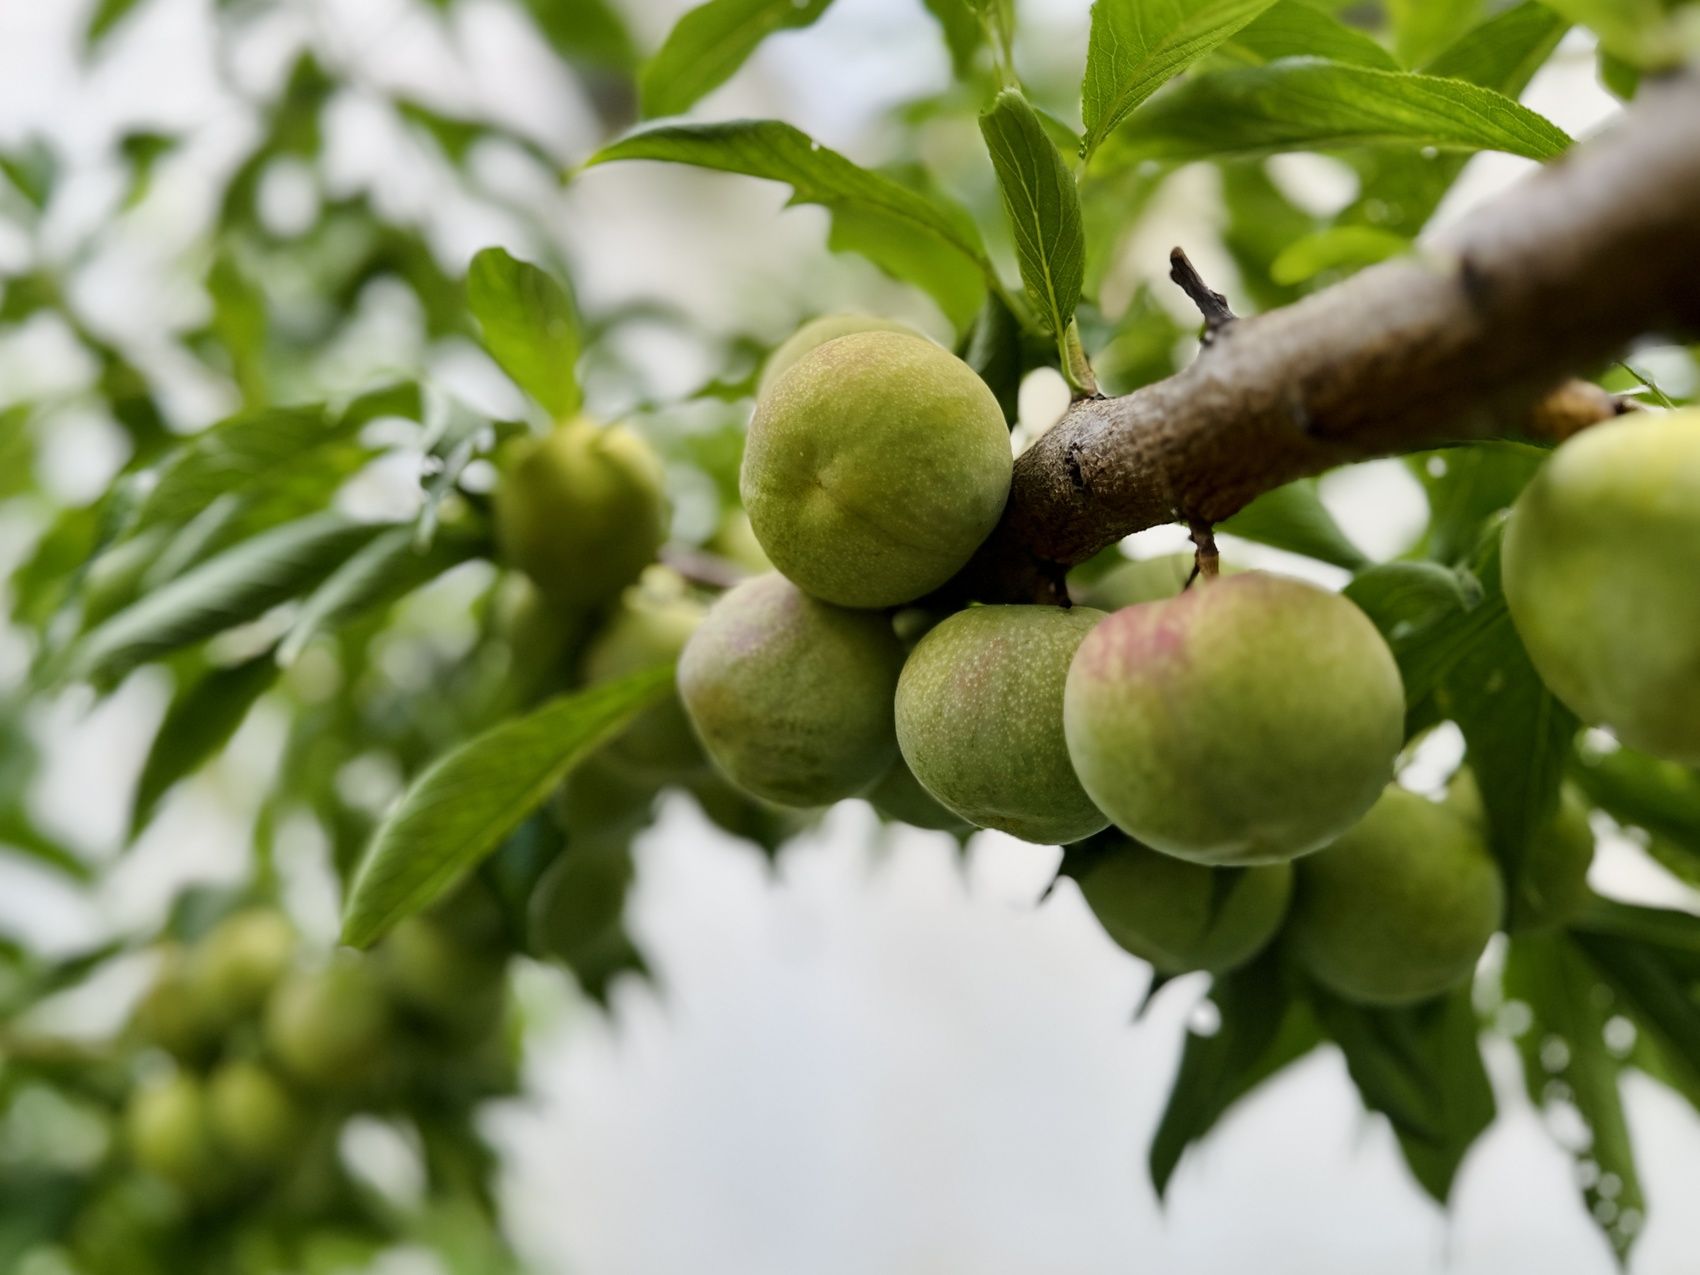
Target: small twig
1206	561
1211	304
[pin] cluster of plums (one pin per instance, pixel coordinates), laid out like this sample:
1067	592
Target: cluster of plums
1241	732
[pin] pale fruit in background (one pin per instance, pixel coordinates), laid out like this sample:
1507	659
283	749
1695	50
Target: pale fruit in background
1183	916
329	1026
252	1115
816	333
874	468
1251	719
791	697
239	962
650	626
1602	574
1139	580
1553	884
980	719
168	1133
1400	908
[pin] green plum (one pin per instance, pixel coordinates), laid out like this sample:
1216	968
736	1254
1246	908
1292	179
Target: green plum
650	627
169	1134
980	719
816	333
791	697
171	1012
427	969
736	542
581	510
1400	908
1139	580
899	795
1183	916
252	1115
874	468
1553	883
329	1027
1251	719
236	966
1600	570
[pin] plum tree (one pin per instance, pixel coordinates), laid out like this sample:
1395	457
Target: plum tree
328	1027
1183	916
1552	883
1400	907
874	468
815	333
581	510
1601	556
650	626
980	719
792	697
1251	719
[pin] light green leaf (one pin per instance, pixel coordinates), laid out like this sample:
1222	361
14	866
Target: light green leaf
1421	28
709	44
529	327
467	803
1504	52
1043	208
1304	28
1293	517
1137	46
106	16
1632	30
1308	104
587	32
1341	248
1403	596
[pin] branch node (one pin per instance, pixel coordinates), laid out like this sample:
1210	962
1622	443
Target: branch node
1211	304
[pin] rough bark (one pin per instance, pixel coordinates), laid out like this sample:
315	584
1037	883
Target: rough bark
1476	336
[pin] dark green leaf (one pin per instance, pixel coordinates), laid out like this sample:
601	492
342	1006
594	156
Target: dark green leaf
993	350
1137	46
1294	518
1309	104
1043	208
587	32
466	804
1306	28
710	43
963	34
529	327
1403	597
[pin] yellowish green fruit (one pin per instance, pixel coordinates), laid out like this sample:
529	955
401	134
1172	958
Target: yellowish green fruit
1252	719
1183	916
236	966
167	1130
899	795
171	1013
1140	580
816	333
736	542
581	510
1554	877
1400	908
792	697
425	968
540	638
649	627
1602	574
253	1117
329	1027
980	719
874	468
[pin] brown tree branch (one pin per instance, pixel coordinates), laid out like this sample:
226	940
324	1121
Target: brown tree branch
1476	336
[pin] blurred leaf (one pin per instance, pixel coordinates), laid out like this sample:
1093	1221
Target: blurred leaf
1421	1067
1339	249
33	169
1306	28
239	323
107	14
1621	79
1640	791
1262	1028
1043	208
1422	28
1293	517
1468	486
238	585
17	449
1404	597
710	43
993	350
586	32
529	328
142	150
1137	46
468	802
1565	1059
1262	223
200	721
963	34
1309	104
1657	996
1633	30
21	836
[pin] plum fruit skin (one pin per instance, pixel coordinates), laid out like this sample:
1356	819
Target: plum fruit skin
648	628
874	468
1400	908
1251	719
815	333
792	697
979	720
1601	572
1553	884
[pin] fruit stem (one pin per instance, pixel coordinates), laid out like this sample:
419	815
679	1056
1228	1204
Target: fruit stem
1206	561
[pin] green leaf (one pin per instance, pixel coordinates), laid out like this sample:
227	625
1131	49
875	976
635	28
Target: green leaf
1262	1028
1338	249
1421	1067
1644	792
106	15
1293	517
200	721
1137	46
467	803
1305	28
1565	1059
1632	30
1467	487
236	586
529	327
710	43
1309	104
1504	52
857	198
20	835
993	350
1043	209
33	170
586	32
963	34
1421	28
1405	597
1655	992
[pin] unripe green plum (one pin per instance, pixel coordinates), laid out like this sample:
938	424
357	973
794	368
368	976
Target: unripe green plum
899	795
252	1115
816	333
792	697
1183	916
329	1027
577	914
1251	719
1140	580
581	510
736	542
167	1129
980	719
426	969
236	966
1600	570
650	627
1400	908
874	468
1554	878
171	1013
